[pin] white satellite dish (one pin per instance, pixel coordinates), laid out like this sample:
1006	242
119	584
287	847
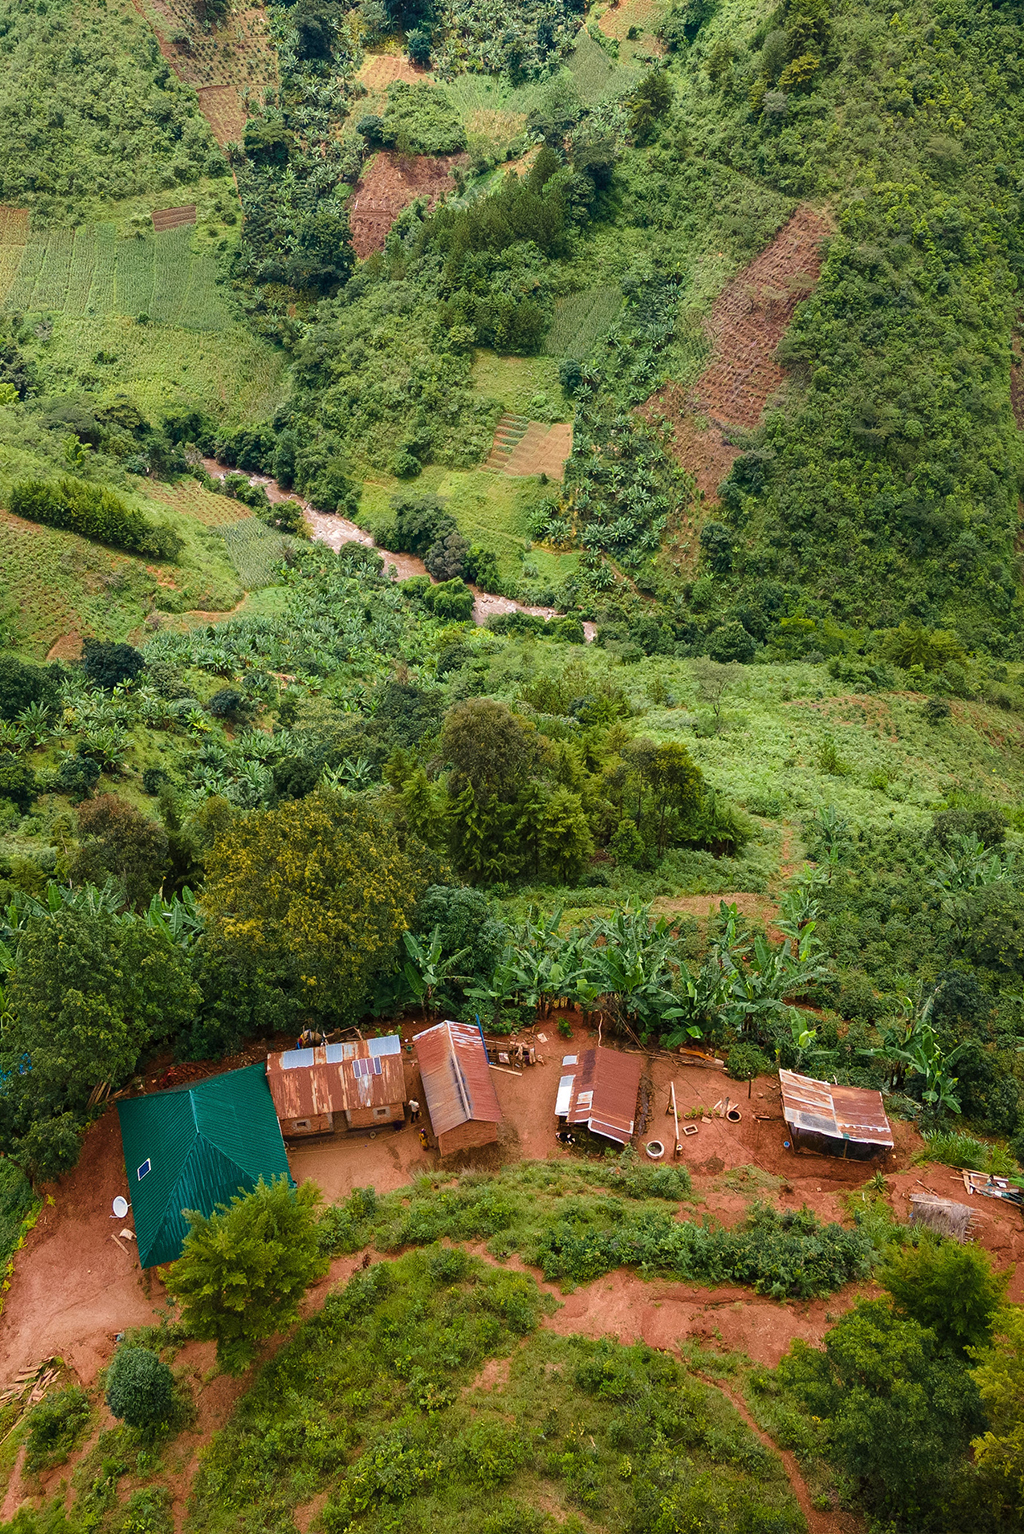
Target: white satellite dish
120	1207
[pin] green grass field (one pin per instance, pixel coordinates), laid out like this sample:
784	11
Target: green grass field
516	381
233	374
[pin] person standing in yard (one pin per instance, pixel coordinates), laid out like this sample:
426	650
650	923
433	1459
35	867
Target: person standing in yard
414	1110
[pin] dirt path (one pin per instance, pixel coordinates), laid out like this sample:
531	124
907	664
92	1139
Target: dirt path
817	1522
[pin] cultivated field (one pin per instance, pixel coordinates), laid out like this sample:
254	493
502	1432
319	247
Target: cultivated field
89	271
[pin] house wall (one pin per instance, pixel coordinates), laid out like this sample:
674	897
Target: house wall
315	1124
366	1118
465	1136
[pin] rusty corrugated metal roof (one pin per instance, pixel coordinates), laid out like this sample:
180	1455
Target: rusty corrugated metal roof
334	1077
456	1077
604	1092
840	1113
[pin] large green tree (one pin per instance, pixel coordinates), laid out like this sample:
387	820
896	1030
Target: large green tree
318	890
88	995
245	1268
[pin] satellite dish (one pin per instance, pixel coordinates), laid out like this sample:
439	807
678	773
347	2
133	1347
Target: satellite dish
120	1207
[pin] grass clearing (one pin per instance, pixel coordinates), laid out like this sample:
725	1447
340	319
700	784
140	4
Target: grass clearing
516	382
234	375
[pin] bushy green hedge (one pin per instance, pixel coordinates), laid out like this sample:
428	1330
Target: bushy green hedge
94	513
778	1254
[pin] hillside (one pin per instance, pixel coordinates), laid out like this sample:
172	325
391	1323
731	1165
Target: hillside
510	513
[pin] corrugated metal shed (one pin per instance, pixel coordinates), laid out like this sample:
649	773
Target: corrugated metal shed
854	1114
195	1147
456	1077
601	1092
367	1073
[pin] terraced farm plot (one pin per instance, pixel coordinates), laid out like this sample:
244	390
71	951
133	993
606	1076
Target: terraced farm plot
640	16
173	218
90	271
221	63
743	331
13	238
580	320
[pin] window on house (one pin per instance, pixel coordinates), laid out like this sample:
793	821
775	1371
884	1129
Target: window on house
381	1113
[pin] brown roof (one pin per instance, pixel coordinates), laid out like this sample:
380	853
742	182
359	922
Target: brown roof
335	1077
456	1077
603	1091
841	1113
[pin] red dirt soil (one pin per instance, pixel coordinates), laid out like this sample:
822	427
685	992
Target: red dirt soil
747	322
173	218
392	182
383	69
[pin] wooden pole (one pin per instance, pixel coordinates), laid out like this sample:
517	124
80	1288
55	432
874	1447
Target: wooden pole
675	1118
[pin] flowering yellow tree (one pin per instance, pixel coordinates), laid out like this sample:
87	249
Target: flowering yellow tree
319	889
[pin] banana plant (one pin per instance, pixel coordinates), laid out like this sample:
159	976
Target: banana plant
426	967
34	720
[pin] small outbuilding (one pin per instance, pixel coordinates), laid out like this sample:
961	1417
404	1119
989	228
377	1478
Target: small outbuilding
195	1147
824	1117
356	1085
599	1088
457	1084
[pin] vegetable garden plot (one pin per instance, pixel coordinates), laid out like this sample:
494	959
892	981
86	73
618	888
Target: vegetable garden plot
102	293
83	260
172	256
134	276
255	552
20	294
51	286
202	306
13	236
580	320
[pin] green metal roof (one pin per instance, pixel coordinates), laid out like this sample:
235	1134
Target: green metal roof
195	1147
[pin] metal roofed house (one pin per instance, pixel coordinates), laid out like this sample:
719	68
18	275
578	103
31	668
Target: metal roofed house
338	1086
600	1091
195	1147
457	1084
826	1116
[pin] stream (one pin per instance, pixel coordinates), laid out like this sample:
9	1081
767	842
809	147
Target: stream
334	531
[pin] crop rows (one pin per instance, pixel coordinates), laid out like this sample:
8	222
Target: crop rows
191	499
580	320
597	76
89	271
254	551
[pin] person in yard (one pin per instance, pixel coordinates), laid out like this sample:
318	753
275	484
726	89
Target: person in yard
309	1038
423	1139
414	1109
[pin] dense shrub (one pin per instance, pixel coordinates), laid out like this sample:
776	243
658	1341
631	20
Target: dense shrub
107	663
54	1427
140	1387
93	512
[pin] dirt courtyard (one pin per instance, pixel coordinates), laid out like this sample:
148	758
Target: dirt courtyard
75	1287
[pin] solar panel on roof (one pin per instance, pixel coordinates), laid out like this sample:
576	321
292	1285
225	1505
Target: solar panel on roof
292	1059
334	1054
391	1044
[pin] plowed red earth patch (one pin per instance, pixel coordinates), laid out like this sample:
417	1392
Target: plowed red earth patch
392	182
747	323
173	218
